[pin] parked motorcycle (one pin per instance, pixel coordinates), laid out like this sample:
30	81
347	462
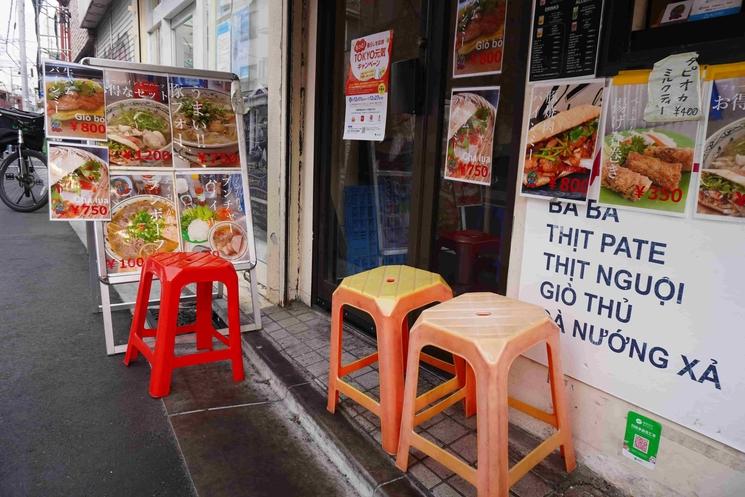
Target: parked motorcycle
23	173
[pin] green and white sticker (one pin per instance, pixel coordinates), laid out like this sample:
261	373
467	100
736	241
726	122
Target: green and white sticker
642	439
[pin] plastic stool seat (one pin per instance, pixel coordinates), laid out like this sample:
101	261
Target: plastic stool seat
388	294
489	331
175	271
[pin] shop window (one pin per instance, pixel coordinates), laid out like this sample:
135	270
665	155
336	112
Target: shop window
183	38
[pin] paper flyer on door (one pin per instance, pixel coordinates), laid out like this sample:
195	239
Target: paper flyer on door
366	88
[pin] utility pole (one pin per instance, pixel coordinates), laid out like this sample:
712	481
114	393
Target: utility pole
21	23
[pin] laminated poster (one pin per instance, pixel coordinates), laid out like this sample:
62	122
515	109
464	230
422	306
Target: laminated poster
143	220
79	179
138	121
473	116
212	214
721	187
478	45
644	166
562	140
366	88
74	101
205	130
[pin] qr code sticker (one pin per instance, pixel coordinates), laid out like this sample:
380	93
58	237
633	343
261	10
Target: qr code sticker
641	444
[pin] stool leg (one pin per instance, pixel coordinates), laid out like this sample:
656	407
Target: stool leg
409	406
165	341
234	329
558	395
138	320
204	315
464	373
391	373
405	341
335	354
492	475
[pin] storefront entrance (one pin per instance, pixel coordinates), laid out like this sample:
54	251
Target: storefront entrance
386	202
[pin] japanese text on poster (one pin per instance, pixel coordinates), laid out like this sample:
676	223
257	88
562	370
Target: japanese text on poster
73	101
562	139
366	88
674	90
644	166
79	183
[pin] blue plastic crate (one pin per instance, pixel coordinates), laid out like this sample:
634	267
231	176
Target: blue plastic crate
360	228
394	260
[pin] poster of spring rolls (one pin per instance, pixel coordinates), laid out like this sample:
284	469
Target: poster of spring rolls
212	214
644	166
721	186
205	130
74	101
562	140
143	220
79	179
473	116
138	121
478	46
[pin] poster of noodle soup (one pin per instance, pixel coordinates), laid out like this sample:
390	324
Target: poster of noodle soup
74	101
721	185
143	220
138	121
212	214
205	129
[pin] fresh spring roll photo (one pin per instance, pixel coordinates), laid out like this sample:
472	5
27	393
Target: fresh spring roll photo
630	185
665	174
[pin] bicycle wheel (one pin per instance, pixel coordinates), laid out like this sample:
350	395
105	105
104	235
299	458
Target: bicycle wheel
24	193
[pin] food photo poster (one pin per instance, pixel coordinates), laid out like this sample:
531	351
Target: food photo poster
204	125
73	101
562	140
212	214
143	220
478	47
79	183
138	120
721	185
644	166
470	145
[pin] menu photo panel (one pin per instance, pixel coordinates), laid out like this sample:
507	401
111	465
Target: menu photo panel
204	124
73	101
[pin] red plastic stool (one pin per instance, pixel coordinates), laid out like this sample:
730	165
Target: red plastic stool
469	246
175	271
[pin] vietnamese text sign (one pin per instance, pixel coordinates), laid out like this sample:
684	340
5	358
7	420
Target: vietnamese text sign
366	88
649	308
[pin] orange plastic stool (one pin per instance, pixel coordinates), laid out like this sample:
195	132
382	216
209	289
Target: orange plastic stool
489	331
176	270
388	294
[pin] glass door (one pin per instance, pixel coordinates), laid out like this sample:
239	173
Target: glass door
367	212
182	28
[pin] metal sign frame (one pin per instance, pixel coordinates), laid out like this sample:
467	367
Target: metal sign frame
97	255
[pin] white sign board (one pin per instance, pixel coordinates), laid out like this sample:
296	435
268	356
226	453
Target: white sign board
650	307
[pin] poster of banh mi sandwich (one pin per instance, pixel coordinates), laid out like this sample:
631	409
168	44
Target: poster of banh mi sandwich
644	166
562	140
721	185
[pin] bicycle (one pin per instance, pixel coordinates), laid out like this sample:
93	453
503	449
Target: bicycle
23	173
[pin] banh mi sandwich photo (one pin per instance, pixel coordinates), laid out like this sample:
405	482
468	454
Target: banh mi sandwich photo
479	21
561	145
722	191
470	130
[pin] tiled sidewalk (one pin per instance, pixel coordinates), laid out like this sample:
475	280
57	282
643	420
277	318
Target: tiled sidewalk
302	335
